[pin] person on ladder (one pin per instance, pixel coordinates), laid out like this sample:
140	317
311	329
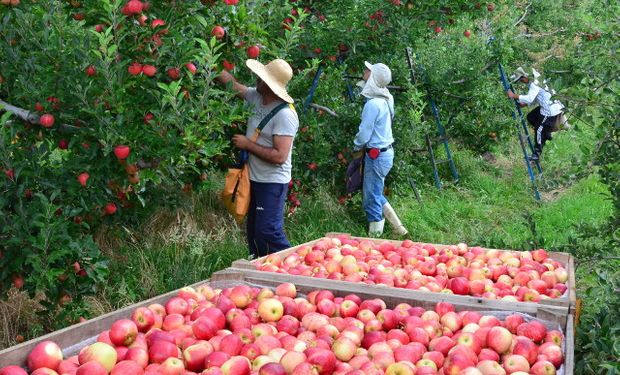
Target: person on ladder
544	117
375	137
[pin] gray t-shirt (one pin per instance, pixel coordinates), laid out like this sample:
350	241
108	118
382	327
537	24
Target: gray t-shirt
284	123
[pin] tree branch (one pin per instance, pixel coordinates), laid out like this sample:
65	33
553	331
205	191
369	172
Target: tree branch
454	96
33	118
540	35
524	15
323	108
606	83
20	112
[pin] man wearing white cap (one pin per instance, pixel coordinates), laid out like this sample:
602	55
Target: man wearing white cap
375	136
545	115
270	156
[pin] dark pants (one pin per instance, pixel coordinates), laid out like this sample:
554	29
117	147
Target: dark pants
543	127
266	218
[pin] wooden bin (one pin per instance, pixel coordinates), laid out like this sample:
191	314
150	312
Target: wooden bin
70	336
566	303
73	338
394	296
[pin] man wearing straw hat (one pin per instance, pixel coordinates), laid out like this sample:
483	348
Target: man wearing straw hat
270	156
544	117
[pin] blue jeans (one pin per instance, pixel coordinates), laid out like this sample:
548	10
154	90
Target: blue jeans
265	225
375	172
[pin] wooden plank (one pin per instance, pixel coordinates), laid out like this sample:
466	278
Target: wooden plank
77	333
572	287
569	352
555	314
565	301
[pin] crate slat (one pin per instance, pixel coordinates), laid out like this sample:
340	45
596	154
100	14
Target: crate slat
555	314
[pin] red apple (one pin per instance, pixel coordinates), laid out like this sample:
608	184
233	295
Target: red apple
161	350
515	363
13	370
534	330
499	339
216	359
272	369
100	352
91	368
174	73
172	366
46	120
45	354
270	310
512	322
135	69
231	344
552	353
123	332
286	290
236	366
149	70
324	361
144	318
459	285
91	71
44	371
127	367
121	152
489	367
138	355
218	32
344	349
253	51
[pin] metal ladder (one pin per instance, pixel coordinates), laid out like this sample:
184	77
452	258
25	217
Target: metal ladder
524	136
315	84
441	131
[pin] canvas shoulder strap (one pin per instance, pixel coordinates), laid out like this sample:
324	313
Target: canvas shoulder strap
243	156
270	115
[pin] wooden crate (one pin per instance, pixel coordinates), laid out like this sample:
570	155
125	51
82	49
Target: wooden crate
394	296
566	302
67	338
73	338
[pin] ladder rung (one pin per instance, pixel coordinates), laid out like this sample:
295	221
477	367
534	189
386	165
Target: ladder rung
442	161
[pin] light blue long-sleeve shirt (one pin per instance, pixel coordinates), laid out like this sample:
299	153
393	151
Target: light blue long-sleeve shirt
375	131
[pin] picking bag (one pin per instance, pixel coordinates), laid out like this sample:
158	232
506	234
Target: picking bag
236	193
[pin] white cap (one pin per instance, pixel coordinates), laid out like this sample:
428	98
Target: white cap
381	73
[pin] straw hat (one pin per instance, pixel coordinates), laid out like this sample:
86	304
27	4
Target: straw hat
276	75
518	74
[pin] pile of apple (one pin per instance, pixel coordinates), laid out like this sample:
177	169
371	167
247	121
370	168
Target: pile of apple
247	330
457	269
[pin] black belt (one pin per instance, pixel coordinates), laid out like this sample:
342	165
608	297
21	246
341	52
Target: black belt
380	150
